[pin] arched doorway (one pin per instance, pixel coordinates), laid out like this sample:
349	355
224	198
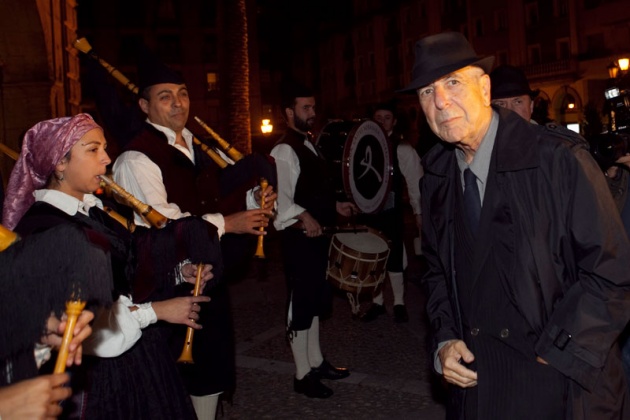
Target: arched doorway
567	107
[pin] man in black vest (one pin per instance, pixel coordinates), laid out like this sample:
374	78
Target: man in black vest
163	168
528	281
306	203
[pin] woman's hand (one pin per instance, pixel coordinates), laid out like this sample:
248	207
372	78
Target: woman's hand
180	310
36	398
189	272
270	197
82	330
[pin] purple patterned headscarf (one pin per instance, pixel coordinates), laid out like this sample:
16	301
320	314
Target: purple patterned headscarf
45	144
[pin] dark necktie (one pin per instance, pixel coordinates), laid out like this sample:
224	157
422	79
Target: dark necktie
472	202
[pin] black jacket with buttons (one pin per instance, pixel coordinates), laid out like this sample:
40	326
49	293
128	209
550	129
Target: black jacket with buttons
551	224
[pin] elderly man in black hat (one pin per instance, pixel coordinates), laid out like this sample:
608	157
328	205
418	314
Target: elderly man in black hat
528	282
510	89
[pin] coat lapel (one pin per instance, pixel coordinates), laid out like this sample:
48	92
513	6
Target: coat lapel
496	231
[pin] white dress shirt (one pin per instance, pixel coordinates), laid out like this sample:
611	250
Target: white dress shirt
411	169
288	169
116	329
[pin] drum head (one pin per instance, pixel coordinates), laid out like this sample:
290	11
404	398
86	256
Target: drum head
367	166
364	242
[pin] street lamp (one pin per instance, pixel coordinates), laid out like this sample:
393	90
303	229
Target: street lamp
266	126
618	68
613	70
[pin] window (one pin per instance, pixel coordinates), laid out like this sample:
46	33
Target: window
212	80
208	14
167	12
595	44
479	27
502	58
210	49
531	14
561	8
422	9
500	20
563	49
533	54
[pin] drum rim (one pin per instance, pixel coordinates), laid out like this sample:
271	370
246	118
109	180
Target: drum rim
345	165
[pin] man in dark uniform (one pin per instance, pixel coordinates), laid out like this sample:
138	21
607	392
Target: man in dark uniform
163	168
527	259
306	203
390	220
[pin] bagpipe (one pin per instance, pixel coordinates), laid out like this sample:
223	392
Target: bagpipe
238	173
59	270
160	250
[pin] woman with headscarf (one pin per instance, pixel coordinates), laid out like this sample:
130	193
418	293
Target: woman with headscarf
52	183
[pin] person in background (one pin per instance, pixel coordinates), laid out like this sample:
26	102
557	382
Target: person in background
390	220
510	89
306	203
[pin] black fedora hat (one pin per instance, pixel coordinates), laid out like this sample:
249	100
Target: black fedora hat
508	81
441	54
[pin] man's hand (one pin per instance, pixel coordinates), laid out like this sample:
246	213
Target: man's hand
453	352
82	330
419	222
541	360
180	310
248	221
613	171
189	272
346	208
36	398
312	228
269	194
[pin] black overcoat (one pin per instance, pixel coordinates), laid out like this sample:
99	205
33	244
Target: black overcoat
561	251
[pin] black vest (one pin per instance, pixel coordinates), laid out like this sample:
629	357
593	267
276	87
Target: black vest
194	187
314	189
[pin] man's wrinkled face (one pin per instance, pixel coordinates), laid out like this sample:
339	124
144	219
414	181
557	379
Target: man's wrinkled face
456	105
522	105
168	105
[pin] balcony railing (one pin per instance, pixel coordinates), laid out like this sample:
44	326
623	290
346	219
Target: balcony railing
553	68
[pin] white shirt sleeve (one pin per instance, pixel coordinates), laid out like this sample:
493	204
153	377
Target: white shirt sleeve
288	169
411	169
141	177
117	329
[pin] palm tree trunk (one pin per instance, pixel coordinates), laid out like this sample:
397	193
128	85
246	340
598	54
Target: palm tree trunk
239	125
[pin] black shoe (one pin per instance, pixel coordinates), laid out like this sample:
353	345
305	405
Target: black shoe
328	371
373	312
311	387
400	313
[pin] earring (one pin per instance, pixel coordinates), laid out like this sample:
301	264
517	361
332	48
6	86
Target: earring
59	177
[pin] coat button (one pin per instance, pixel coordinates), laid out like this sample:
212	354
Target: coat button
505	333
474	332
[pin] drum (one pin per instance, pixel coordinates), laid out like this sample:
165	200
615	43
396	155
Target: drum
361	160
357	261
